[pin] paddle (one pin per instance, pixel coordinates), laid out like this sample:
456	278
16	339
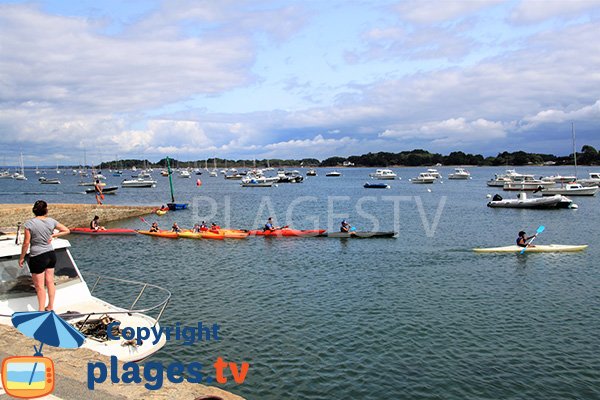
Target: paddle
539	230
146	222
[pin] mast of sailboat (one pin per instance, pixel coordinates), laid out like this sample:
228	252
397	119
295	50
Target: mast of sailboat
574	148
170	180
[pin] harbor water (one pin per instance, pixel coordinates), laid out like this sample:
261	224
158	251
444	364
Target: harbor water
419	316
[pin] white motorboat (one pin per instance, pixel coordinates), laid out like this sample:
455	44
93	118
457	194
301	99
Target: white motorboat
184	173
522	201
46	181
311	172
434	172
138	183
164	172
500	179
5	175
333	173
99	176
592	180
255	183
213	173
424	177
560	178
571	189
384	174
460	173
77	304
526	182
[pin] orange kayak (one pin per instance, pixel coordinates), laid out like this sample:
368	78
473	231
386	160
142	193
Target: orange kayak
201	235
165	234
234	233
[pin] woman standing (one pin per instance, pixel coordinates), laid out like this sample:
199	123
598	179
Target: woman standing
39	232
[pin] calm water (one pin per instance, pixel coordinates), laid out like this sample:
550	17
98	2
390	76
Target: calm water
415	317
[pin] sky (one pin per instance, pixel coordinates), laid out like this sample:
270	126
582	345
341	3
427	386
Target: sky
293	79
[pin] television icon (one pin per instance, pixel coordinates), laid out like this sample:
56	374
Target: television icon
28	376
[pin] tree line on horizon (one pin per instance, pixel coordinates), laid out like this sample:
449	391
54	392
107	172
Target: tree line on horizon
413	158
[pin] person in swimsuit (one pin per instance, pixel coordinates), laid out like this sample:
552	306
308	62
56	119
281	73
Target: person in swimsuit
175	227
95	224
345	226
269	225
39	232
98	190
154	227
523	239
214	228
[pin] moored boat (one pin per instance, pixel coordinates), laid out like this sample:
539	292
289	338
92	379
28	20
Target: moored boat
369	185
384	174
46	181
522	201
311	172
105	190
138	183
460	173
423	178
570	189
333	174
76	304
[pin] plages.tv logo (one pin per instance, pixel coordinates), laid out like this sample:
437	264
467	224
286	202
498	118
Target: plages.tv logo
28	377
33	376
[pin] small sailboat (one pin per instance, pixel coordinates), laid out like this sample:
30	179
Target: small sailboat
20	176
172	205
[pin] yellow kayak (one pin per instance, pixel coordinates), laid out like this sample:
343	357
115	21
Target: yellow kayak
234	233
549	248
201	235
161	212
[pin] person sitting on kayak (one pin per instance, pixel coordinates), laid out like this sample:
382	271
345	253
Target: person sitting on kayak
175	227
203	227
196	228
269	225
523	239
154	227
163	208
214	228
95	224
345	226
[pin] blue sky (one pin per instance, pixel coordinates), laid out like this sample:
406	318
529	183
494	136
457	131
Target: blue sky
293	79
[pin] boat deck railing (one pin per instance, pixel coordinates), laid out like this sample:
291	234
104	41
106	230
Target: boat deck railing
161	305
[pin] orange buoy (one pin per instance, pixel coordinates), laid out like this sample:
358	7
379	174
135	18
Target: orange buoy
198	182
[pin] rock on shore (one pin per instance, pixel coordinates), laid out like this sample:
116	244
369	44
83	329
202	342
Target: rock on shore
70	215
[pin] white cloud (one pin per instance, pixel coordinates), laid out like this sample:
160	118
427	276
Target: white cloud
532	11
428	12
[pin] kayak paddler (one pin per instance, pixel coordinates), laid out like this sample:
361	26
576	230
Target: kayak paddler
95	224
175	227
345	227
154	227
269	225
523	239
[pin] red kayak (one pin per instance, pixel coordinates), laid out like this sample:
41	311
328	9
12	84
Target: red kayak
287	232
88	231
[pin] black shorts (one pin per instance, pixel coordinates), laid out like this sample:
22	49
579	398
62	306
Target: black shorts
38	264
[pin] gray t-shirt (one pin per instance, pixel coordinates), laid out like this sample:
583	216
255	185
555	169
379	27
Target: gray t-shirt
41	230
